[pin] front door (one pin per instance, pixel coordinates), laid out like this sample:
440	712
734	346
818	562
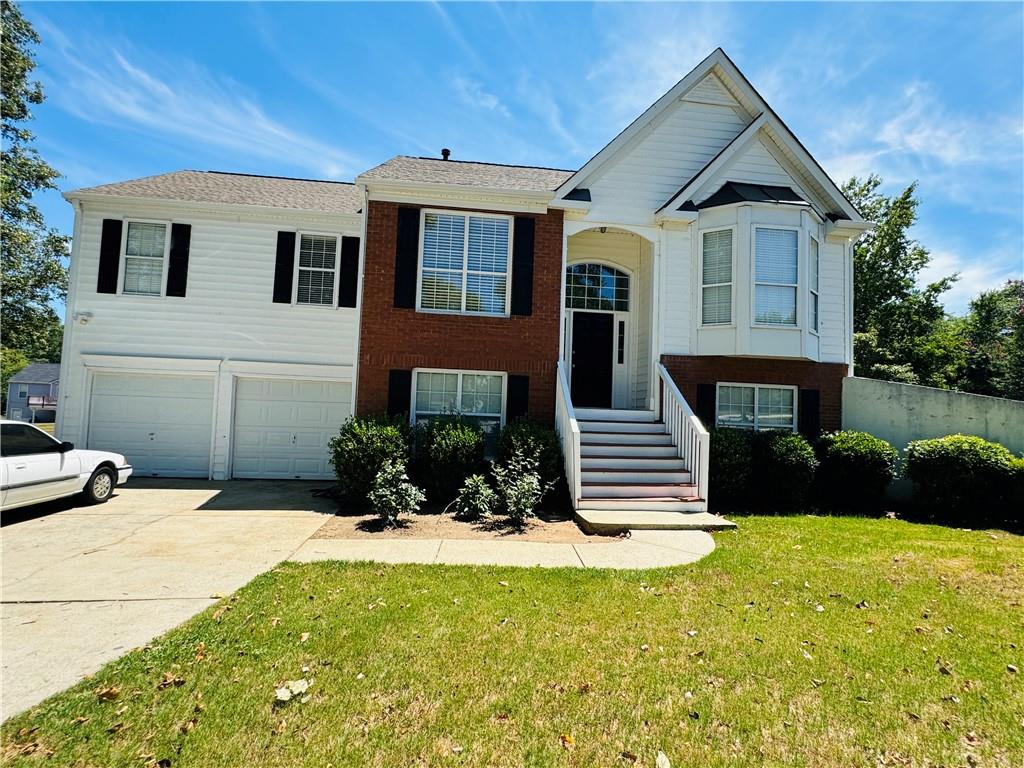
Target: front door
592	339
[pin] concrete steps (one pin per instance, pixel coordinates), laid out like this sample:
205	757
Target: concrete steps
610	522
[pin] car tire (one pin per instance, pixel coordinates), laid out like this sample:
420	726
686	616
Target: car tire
100	486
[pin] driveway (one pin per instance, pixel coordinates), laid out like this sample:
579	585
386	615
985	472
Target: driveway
83	585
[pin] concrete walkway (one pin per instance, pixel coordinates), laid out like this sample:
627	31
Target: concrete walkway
643	549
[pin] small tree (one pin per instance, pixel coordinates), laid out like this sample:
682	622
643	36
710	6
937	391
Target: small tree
393	495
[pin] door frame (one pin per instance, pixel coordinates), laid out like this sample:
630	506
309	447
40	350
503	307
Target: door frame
624	373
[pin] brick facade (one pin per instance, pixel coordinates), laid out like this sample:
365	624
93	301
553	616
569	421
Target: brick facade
396	338
690	370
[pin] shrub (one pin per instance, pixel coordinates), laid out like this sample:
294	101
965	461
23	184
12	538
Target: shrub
392	493
1017	490
961	478
528	438
448	450
476	499
360	450
854	471
783	470
520	487
730	467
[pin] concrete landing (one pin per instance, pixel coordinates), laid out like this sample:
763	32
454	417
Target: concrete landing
607	521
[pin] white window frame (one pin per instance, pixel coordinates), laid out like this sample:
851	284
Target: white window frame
460	372
756	388
22	390
813	290
465	262
121	272
755	282
295	269
700	280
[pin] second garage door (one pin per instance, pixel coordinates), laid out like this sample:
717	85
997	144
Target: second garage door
282	427
161	423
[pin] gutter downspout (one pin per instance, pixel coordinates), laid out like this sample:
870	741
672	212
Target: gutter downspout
359	296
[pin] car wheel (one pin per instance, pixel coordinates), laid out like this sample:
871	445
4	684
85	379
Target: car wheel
100	486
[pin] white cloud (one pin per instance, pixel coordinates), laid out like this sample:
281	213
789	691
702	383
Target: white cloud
473	93
977	273
107	83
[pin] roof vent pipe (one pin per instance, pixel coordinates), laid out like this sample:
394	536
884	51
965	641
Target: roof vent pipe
446	153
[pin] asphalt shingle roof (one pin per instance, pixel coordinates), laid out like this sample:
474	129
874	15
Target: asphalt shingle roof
37	373
239	189
431	170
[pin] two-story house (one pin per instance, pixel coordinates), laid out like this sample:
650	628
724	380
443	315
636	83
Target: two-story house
696	271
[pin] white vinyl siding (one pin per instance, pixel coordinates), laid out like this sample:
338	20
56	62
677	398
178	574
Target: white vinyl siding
775	276
464	263
474	396
716	277
746	406
812	284
316	270
144	253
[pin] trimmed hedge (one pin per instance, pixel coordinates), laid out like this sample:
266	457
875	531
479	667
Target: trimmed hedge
854	470
760	471
448	450
962	479
361	449
730	468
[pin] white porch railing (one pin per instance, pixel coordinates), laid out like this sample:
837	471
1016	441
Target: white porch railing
691	438
569	432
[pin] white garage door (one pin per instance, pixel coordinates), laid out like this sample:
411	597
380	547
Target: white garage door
161	423
282	426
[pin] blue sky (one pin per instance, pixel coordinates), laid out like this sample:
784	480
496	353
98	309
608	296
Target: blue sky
932	92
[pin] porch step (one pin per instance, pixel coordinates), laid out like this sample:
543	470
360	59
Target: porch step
638	490
613	414
635	427
610	522
625	438
634	462
628	451
621	475
649	504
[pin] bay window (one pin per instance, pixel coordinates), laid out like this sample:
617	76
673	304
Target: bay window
775	276
812	284
755	406
464	263
716	277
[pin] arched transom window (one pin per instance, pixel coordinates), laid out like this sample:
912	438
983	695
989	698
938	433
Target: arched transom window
596	286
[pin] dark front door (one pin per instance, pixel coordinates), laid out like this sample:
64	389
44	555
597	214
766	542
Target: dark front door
592	359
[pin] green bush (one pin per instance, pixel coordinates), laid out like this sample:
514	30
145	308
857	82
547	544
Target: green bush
783	471
476	499
528	438
962	479
392	494
854	471
520	487
730	467
1017	489
448	450
360	450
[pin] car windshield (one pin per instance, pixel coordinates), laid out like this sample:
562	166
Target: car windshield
22	440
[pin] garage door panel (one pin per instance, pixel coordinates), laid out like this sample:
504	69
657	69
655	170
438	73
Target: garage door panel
283	426
161	423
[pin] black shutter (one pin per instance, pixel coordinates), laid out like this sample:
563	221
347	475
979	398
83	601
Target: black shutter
517	398
177	268
399	392
522	266
407	245
110	256
809	413
348	272
284	267
705	409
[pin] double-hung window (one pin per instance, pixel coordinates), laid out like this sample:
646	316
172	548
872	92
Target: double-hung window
145	254
753	406
775	276
473	396
464	263
716	277
317	270
812	284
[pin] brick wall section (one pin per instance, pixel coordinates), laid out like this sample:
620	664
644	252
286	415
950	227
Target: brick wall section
404	338
690	370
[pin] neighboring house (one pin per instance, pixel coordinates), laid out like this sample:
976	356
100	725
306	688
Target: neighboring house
32	392
223	325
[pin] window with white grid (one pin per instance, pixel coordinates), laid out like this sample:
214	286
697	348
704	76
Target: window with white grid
812	283
472	396
317	270
144	252
775	276
754	406
716	277
464	264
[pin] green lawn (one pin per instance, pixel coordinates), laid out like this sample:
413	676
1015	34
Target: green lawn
801	641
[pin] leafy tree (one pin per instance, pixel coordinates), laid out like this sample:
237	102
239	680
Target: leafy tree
34	272
11	361
994	335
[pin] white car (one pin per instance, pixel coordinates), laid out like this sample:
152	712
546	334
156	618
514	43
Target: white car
35	467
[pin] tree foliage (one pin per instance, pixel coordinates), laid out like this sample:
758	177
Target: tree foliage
994	334
34	271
